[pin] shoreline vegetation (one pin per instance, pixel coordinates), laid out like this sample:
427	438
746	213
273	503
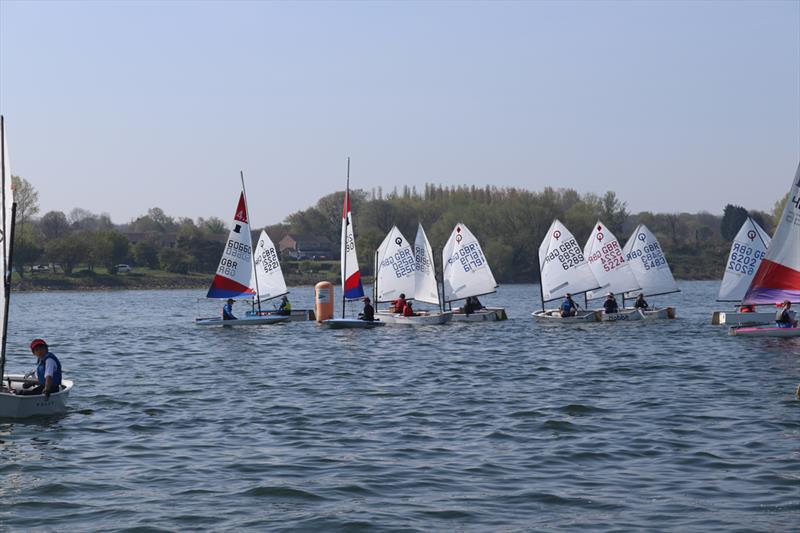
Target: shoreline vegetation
86	251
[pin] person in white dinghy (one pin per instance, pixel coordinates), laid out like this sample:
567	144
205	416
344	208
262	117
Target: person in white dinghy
48	371
610	306
786	318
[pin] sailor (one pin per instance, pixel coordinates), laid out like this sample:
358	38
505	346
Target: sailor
610	305
369	312
48	371
641	303
568	306
227	310
285	307
785	318
472	304
408	310
400	304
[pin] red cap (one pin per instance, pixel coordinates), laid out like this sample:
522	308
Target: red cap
37	342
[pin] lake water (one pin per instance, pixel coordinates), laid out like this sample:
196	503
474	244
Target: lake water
509	426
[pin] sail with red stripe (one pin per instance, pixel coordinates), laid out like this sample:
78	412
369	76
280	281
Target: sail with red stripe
351	276
235	271
778	276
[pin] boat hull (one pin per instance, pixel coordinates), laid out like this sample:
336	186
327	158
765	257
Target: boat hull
554	315
428	319
764	332
488	314
243	321
719	318
297	315
14	406
626	315
352	323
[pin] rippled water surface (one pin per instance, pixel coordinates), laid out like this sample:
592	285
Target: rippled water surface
510	426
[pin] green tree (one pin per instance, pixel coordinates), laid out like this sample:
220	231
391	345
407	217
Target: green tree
68	250
109	248
174	260
145	253
54	224
732	219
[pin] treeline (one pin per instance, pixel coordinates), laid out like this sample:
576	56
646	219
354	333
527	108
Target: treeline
509	222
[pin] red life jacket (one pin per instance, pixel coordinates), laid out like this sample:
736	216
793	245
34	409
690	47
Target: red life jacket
399	305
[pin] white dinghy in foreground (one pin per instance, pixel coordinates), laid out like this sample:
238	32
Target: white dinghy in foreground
467	275
13	405
563	270
234	278
644	254
749	247
612	272
351	275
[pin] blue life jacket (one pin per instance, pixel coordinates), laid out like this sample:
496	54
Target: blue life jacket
227	312
566	306
56	383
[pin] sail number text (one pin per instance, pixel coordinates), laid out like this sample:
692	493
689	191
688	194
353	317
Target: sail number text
402	263
569	254
744	259
268	260
650	255
610	256
469	256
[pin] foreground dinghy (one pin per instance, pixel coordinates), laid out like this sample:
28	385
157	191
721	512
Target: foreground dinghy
351	275
11	404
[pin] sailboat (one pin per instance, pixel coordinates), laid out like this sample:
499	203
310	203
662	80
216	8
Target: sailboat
778	276
401	269
611	270
235	277
563	270
12	405
644	254
351	275
749	247
466	273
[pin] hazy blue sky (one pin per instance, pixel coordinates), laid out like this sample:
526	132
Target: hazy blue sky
120	106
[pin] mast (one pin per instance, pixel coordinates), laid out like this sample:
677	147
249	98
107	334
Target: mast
252	255
375	280
6	235
344	248
541	285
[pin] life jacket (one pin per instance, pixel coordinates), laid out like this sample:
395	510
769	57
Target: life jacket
227	312
783	317
566	306
56	383
286	306
399	305
407	310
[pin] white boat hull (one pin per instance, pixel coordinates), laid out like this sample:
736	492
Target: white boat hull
764	332
555	315
623	316
15	406
421	319
297	315
719	318
656	312
352	323
488	314
243	321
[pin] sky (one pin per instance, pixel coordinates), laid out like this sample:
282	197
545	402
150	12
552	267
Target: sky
117	107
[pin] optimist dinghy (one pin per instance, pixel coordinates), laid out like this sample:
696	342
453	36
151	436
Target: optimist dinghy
778	276
13	405
749	247
234	278
351	275
466	273
612	272
563	269
649	265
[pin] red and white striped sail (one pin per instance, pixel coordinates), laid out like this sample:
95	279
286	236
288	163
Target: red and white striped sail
235	272
351	276
778	276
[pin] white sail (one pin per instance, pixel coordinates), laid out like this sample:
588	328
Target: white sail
563	267
396	267
351	275
608	263
643	252
269	276
425	287
466	271
748	249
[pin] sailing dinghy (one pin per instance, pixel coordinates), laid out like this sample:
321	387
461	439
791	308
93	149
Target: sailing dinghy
778	276
12	405
612	272
747	250
351	275
649	265
563	270
235	277
466	273
426	288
